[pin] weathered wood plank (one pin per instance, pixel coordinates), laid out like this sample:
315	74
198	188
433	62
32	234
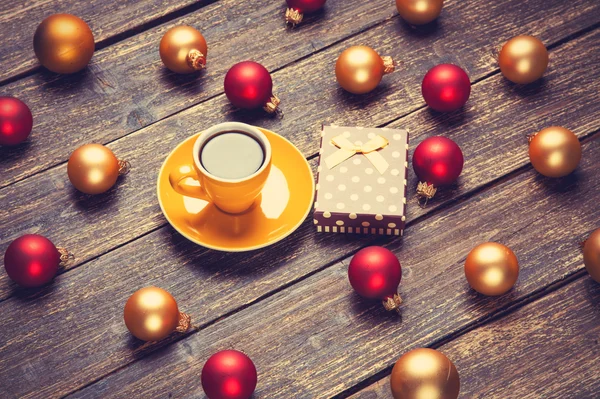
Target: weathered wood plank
568	97
318	338
126	86
19	20
547	349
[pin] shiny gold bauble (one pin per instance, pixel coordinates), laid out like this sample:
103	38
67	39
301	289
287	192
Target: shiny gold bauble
555	151
151	314
183	49
93	169
523	59
419	12
591	255
359	69
63	43
491	269
424	374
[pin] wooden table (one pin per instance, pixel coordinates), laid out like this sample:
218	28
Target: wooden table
290	307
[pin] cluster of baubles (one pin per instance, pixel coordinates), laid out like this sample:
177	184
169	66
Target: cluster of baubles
151	314
64	43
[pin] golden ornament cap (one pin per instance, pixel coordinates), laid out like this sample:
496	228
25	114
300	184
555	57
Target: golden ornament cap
393	303
293	17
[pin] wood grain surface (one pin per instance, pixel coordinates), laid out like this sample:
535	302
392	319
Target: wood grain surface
131	209
548	349
289	306
318	338
127	88
108	20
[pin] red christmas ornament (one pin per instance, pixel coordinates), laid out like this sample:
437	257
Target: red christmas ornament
375	273
249	85
437	161
229	374
32	260
297	9
15	121
446	87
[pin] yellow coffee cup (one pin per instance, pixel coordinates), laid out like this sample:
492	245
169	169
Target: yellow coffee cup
231	195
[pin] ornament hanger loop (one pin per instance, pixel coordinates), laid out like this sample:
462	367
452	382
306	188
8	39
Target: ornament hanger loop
389	65
392	303
124	167
196	60
293	17
425	191
272	107
65	255
185	321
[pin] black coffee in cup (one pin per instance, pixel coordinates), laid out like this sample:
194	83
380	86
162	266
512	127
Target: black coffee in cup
232	155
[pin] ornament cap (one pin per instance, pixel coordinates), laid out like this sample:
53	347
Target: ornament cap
392	303
273	105
389	65
530	137
293	17
65	255
185	321
425	191
196	60
124	167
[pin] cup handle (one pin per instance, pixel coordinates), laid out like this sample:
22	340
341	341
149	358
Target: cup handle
177	179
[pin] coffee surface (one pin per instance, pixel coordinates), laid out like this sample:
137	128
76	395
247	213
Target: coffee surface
232	155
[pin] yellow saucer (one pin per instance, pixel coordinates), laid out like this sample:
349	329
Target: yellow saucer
280	209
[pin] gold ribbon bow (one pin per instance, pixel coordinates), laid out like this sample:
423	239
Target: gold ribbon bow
369	150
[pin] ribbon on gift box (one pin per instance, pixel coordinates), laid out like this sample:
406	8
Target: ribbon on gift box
369	150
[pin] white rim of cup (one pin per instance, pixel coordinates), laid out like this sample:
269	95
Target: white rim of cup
226	127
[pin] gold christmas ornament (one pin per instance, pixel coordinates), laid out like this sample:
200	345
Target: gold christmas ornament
491	269
151	314
419	12
554	151
523	59
359	69
94	169
183	49
424	374
63	43
591	255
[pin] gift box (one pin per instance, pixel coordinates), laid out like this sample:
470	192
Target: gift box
361	183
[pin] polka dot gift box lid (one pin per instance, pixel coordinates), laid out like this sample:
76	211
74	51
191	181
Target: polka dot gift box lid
361	183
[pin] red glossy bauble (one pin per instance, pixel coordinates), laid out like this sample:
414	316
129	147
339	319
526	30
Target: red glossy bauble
31	260
306	6
438	160
446	87
249	85
16	121
229	374
375	273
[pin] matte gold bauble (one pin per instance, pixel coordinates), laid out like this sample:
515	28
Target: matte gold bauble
94	169
591	255
151	314
183	49
424	374
359	69
419	12
554	151
491	269
523	59
63	43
